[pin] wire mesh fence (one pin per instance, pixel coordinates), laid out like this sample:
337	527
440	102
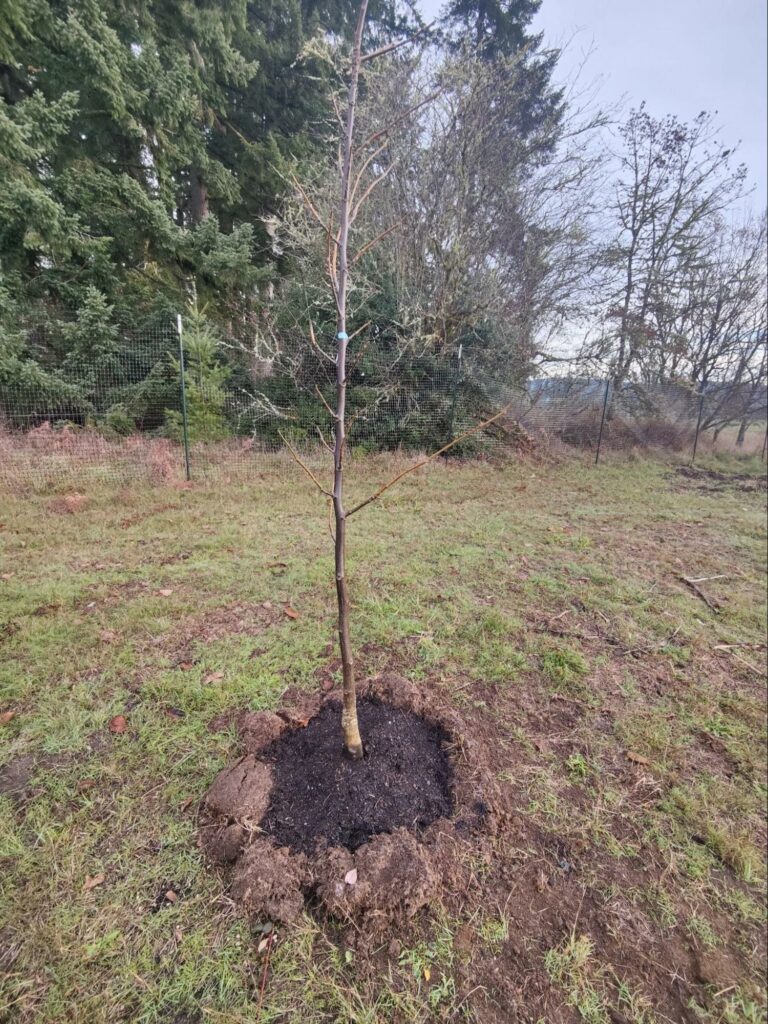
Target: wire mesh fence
161	404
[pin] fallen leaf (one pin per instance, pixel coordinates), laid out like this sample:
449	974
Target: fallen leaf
171	896
107	636
185	666
637	758
6	717
427	974
178	935
266	604
174	713
351	877
165	592
213	677
264	944
85	784
118	724
291	613
187	803
7	575
91	881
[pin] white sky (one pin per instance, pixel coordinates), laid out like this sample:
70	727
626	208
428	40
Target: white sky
680	56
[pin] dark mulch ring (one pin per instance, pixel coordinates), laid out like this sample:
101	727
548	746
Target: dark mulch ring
319	796
427	823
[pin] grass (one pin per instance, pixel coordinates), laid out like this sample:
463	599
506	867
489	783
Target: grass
521	590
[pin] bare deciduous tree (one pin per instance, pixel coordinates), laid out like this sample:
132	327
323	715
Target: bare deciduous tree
356	159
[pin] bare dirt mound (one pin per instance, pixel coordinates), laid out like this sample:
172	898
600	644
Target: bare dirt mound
715	480
320	796
301	825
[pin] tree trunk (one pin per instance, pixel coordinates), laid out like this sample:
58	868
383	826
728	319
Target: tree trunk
742	433
349	724
198	197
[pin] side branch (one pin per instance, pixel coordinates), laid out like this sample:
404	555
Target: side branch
374	241
297	459
429	458
401	117
396	46
313	209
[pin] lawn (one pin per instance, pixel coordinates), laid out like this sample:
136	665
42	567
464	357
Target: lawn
545	600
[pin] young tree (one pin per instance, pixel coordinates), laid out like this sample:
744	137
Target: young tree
355	158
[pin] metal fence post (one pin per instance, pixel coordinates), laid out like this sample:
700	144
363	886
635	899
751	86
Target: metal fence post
698	427
456	379
185	424
602	419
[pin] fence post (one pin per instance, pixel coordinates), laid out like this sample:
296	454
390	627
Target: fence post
602	419
698	427
456	379
185	424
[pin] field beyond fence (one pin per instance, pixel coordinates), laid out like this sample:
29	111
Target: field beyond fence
163	411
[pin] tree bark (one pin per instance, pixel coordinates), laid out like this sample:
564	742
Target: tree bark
198	198
349	723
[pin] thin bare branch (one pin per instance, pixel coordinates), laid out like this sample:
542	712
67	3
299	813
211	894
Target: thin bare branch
307	201
321	396
316	347
364	196
400	117
390	47
364	167
297	459
429	458
323	441
374	241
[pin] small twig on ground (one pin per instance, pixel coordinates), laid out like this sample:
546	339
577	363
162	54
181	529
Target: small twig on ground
713	605
263	985
656	645
738	657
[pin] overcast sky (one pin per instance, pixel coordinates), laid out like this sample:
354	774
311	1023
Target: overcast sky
680	56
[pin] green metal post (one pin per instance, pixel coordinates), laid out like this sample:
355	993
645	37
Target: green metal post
454	398
185	424
602	420
698	428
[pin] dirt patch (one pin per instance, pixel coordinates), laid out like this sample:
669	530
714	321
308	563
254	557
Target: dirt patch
370	840
404	780
16	776
195	632
711	480
68	504
484	851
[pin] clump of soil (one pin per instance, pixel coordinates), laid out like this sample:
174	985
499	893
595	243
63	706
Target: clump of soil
319	795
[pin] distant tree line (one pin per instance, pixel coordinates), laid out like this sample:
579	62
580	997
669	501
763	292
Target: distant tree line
175	156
